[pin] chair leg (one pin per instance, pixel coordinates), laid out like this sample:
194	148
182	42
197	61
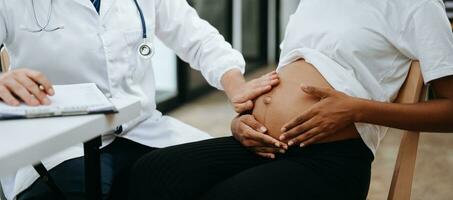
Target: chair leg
403	174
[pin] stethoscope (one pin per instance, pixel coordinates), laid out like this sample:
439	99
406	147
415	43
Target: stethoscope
145	49
46	25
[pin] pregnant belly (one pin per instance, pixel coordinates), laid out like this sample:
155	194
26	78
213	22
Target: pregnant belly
287	100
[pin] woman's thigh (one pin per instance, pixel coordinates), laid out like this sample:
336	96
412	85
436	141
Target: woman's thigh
282	179
187	171
318	172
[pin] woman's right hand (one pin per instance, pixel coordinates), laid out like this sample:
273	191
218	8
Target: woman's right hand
251	134
26	85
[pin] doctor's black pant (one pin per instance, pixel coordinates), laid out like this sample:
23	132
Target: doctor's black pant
222	169
117	159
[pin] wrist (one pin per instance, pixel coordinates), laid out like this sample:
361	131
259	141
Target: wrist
232	82
359	109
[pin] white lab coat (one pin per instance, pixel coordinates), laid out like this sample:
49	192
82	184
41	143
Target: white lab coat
103	49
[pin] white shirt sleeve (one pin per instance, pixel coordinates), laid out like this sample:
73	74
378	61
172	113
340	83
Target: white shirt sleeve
3	31
195	41
428	37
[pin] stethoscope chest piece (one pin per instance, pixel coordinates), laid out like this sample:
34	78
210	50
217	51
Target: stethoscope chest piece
146	49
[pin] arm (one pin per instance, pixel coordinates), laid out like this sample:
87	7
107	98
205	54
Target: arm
425	36
25	85
197	42
434	115
336	110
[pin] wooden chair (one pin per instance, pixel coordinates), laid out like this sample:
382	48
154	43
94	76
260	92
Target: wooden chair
413	91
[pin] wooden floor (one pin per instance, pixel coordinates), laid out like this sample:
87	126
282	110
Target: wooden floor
434	169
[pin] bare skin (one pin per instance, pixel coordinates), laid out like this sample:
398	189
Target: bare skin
25	85
336	109
34	88
332	112
260	131
282	104
242	93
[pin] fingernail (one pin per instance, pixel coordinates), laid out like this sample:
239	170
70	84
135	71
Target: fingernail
46	101
290	143
282	137
272	156
283	129
34	102
277	144
263	129
302	145
51	91
282	151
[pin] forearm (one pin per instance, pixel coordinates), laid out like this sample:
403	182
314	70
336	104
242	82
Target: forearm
434	115
232	81
195	41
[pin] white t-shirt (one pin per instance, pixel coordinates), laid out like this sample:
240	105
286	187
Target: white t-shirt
364	47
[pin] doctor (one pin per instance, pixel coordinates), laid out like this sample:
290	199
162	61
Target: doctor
110	43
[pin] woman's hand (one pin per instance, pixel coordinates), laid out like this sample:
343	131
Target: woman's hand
251	134
332	113
25	85
242	94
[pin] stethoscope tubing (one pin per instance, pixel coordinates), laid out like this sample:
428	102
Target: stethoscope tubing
43	28
145	49
142	19
49	16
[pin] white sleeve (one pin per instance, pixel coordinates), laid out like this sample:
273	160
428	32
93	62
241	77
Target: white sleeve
428	37
3	31
195	41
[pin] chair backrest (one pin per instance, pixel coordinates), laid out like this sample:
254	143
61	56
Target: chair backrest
413	91
4	58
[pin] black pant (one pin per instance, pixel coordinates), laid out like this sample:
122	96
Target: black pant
221	168
117	159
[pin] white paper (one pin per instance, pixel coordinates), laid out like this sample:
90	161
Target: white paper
76	98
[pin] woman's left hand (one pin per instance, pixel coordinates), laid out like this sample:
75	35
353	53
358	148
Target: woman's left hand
334	111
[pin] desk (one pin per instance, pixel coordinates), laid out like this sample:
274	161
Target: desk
25	142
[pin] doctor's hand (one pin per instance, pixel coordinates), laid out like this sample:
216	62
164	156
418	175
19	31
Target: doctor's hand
26	85
252	135
245	95
334	112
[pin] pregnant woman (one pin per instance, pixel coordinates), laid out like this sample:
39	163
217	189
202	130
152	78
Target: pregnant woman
315	135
